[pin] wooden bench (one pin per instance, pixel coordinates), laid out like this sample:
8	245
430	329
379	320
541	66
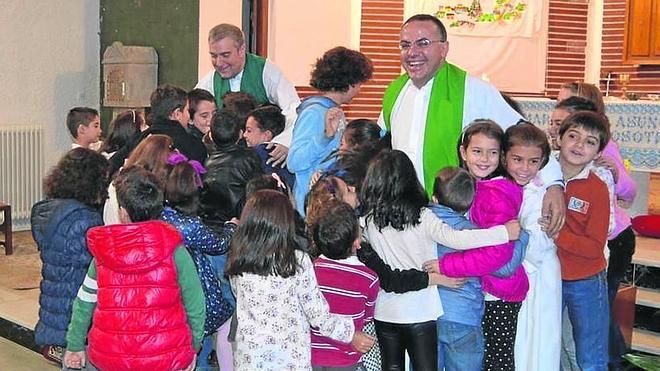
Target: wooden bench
5	227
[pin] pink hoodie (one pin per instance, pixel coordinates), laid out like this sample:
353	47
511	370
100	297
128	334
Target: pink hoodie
626	189
496	201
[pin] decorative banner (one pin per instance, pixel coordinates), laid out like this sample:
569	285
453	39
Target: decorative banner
635	128
510	18
503	41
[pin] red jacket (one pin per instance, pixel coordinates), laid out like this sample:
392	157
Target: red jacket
140	321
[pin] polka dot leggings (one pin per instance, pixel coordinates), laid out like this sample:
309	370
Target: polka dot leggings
499	326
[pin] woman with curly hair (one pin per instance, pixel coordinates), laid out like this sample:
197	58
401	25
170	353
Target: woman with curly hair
75	191
338	75
151	154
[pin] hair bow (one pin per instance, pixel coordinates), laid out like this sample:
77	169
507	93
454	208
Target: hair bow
176	157
280	183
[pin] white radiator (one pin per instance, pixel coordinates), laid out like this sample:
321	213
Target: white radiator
22	170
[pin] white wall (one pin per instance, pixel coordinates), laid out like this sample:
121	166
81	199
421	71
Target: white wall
48	64
212	13
299	32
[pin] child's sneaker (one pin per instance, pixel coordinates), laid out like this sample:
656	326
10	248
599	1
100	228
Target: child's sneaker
213	359
53	353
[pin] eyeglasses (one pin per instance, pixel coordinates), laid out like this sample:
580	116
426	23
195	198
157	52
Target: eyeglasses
420	44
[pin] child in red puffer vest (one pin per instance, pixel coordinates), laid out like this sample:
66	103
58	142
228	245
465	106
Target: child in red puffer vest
142	289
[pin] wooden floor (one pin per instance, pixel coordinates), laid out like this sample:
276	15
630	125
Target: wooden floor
647	252
654	194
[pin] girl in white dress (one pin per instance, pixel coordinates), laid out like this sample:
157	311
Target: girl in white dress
538	337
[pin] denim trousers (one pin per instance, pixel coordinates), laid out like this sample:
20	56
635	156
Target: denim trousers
218	262
568	358
203	355
588	309
460	346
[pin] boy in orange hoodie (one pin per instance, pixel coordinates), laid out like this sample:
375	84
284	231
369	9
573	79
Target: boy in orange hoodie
582	240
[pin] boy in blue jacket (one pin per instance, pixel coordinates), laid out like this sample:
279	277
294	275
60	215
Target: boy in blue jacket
460	335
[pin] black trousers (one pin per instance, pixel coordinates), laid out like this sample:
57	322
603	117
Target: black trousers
622	248
499	324
419	339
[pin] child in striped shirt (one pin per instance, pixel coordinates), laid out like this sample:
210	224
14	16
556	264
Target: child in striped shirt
348	285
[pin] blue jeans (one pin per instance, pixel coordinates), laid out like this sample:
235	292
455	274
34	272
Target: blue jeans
460	347
218	262
588	309
203	355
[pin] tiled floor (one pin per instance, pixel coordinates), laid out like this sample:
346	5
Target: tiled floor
17	358
19	282
19	303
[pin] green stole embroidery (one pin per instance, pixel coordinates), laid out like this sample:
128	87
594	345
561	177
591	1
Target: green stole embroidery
252	81
444	119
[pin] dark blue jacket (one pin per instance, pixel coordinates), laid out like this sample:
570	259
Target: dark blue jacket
283	172
201	240
466	304
59	227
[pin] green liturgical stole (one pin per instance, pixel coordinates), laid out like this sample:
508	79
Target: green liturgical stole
252	81
444	119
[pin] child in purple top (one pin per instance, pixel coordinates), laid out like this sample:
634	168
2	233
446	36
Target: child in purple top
348	285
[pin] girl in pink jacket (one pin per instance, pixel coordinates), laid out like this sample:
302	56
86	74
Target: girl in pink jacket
496	200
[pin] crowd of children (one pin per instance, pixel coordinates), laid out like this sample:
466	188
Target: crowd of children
191	230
